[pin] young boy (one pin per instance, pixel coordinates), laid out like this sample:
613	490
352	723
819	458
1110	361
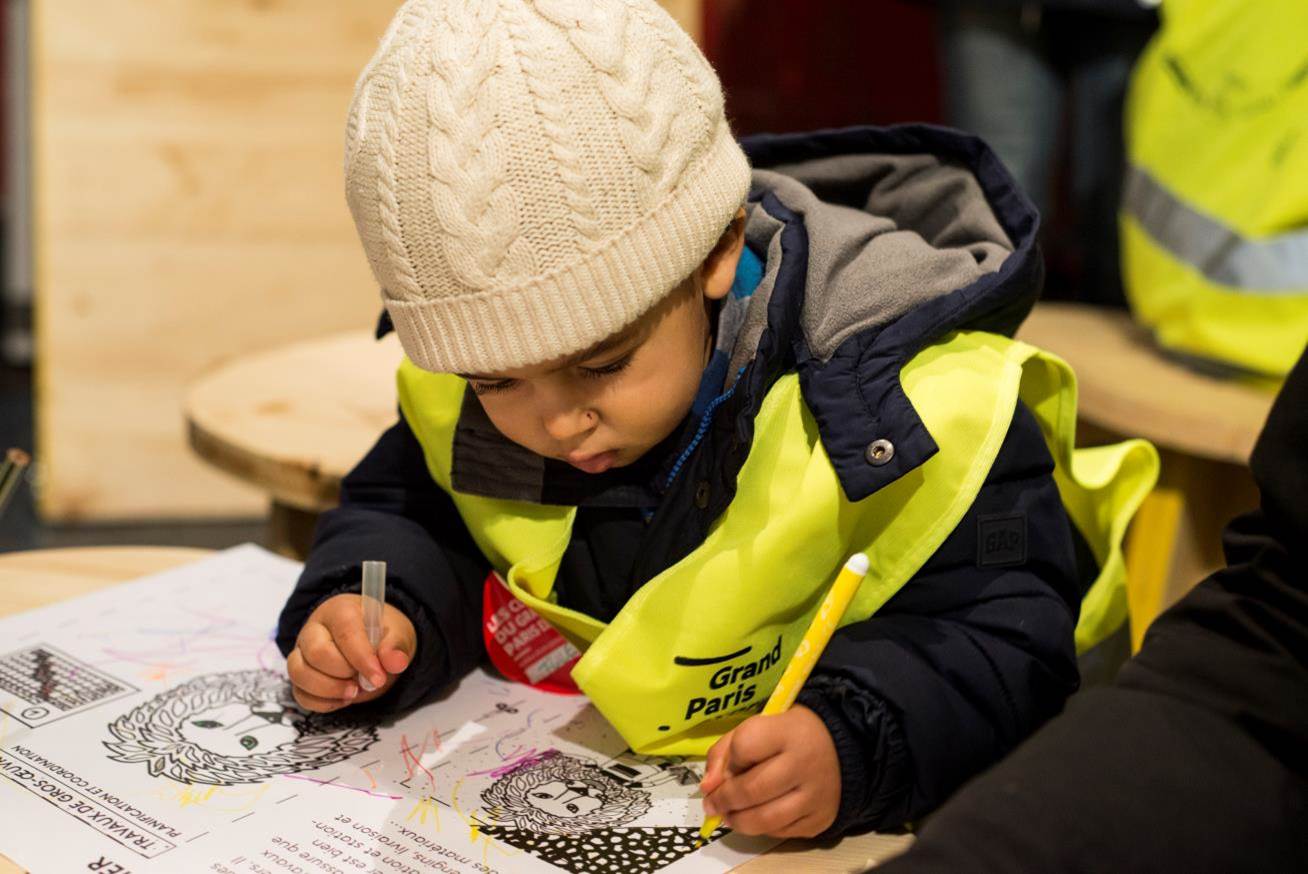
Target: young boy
665	400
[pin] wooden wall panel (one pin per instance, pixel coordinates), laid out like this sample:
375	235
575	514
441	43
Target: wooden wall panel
188	208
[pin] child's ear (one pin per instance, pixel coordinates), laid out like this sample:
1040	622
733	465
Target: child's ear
719	268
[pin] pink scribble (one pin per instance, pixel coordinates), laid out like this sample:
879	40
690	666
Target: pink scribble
339	786
531	758
413	761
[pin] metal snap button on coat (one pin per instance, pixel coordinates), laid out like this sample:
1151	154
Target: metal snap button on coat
702	494
879	452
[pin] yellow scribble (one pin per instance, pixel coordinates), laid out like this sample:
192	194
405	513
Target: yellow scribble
239	798
473	831
189	796
426	805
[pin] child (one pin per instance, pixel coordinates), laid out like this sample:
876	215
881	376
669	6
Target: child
665	399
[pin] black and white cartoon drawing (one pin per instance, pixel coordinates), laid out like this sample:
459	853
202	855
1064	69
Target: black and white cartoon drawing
644	772
229	728
577	814
559	794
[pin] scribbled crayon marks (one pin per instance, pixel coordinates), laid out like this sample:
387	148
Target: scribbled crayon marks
629	850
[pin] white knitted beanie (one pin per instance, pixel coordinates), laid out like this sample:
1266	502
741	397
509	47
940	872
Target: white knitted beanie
528	177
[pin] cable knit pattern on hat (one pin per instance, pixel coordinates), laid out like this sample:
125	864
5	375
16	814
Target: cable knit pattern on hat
528	177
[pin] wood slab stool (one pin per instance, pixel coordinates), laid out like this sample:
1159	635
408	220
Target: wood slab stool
1204	428
294	420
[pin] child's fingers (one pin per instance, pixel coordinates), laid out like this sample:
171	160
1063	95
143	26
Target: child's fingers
395	650
319	651
808	826
351	639
394	661
305	677
761	784
770	818
755	740
715	765
314	703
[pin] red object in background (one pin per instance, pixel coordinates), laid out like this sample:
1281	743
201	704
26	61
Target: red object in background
790	65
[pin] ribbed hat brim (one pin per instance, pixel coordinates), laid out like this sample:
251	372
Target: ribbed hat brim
576	306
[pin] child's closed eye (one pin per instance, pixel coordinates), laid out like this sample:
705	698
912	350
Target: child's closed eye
489	387
608	369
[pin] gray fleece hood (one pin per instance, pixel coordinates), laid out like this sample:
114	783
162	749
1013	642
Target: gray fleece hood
877	242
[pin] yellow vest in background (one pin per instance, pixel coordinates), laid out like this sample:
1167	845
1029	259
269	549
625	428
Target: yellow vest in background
700	646
1214	217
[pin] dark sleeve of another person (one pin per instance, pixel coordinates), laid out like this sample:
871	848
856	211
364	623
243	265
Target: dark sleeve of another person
391	510
1196	760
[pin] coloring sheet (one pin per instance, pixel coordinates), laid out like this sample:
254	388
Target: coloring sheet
149	727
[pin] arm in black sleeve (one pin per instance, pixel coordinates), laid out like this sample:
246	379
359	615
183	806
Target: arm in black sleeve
392	510
1194	760
966	660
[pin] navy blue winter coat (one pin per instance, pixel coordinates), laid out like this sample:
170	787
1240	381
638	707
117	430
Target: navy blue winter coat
876	242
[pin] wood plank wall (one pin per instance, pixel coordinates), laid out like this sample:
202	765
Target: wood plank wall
187	209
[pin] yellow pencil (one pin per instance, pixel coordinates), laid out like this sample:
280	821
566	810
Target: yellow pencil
810	648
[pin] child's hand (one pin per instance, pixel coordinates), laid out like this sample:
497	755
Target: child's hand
332	664
775	775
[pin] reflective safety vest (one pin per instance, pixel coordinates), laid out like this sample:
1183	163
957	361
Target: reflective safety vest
701	645
1214	216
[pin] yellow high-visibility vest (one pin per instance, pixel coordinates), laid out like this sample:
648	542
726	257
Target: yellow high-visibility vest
700	646
1214	217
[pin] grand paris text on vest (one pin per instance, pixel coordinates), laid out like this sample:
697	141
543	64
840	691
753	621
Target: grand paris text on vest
728	686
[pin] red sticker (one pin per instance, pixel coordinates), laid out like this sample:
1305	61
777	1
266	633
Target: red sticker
523	646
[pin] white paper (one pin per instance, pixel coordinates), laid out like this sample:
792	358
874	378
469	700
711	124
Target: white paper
147	728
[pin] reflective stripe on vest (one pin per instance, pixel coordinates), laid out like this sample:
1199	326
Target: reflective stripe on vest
700	646
1214	218
1276	265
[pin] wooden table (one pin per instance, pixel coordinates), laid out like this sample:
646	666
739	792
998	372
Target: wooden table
1204	428
34	579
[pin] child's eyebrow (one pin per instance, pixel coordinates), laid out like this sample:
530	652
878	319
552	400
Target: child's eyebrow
572	360
598	349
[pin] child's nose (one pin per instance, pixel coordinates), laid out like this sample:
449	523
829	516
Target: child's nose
566	424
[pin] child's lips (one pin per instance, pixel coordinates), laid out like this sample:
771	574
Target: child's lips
597	463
